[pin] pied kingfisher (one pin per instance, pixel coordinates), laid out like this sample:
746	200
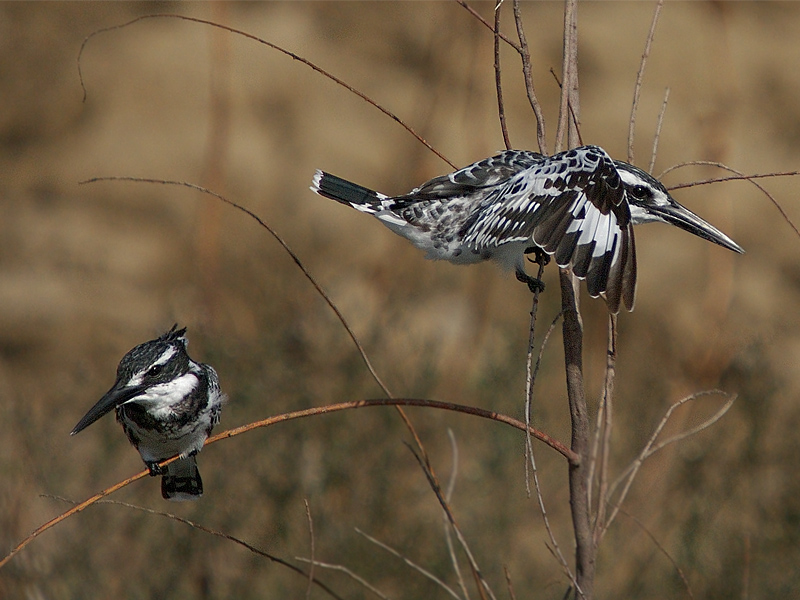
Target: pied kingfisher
578	206
167	404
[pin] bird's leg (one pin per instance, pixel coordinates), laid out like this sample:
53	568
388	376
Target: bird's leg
534	283
541	258
154	468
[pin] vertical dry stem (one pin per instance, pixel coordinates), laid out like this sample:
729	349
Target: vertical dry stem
573	336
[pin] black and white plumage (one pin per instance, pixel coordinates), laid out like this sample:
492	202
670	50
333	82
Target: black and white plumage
167	404
578	206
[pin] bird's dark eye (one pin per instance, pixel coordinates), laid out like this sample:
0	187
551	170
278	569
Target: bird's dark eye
640	191
155	370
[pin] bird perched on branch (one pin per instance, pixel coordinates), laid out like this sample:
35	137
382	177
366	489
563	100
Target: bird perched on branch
167	404
578	206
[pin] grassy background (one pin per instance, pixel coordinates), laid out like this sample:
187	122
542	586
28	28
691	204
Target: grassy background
87	272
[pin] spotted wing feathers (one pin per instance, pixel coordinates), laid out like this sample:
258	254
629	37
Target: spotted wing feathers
573	206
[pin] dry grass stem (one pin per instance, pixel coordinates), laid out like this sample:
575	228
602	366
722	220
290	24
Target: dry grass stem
282	243
427	463
488	25
737	176
214	532
448	538
311	547
601	449
663	550
527	75
640	76
351	574
480	582
627	477
657	136
411	564
498	79
288	417
288	53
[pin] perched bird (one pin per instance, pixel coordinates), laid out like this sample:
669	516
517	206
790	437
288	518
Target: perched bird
167	404
578	206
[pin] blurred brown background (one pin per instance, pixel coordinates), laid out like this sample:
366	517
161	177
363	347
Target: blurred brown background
88	271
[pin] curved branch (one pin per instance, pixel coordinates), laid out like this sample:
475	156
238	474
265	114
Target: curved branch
288	53
299	414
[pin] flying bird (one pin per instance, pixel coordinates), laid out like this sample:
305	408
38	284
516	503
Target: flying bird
167	404
577	206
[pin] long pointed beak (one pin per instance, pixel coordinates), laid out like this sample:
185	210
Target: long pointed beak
117	395
682	217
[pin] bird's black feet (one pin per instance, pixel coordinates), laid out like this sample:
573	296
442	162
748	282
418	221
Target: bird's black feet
154	469
540	256
534	283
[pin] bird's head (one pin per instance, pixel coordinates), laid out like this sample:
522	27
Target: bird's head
650	201
152	370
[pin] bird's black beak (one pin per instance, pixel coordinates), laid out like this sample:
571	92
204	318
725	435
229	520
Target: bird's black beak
118	394
682	217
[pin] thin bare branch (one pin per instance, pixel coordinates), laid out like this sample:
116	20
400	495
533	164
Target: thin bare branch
498	79
663	550
480	582
288	53
629	474
531	371
451	551
604	426
204	529
283	244
311	544
488	25
640	76
351	574
509	585
656	137
528	77
411	564
739	175
556	445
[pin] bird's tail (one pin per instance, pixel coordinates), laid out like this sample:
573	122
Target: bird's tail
347	192
181	480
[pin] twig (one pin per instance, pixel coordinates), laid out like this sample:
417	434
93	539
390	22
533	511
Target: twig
292	55
204	529
488	25
739	175
604	426
349	573
663	550
509	585
531	371
640	76
311	544
721	179
498	80
555	550
451	551
585	550
650	448
280	241
299	414
308	276
525	54
480	582
656	137
410	563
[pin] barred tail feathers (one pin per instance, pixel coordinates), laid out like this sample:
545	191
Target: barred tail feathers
347	192
181	480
